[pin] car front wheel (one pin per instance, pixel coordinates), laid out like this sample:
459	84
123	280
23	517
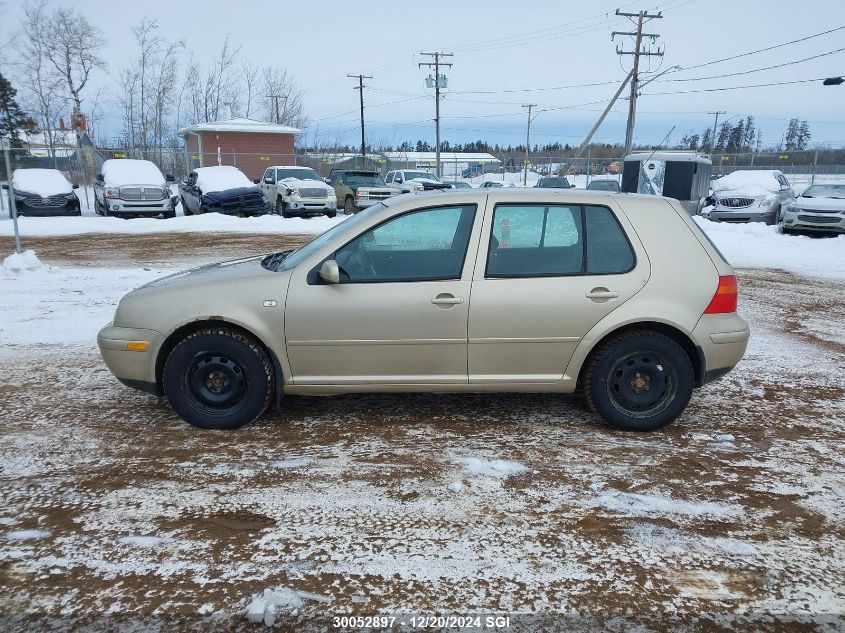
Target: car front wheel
349	206
639	381
218	379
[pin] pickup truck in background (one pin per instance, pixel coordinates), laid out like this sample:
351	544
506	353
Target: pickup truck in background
128	187
410	180
293	190
358	189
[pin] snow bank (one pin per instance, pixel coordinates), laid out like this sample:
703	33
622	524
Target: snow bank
748	182
221	178
207	222
266	607
755	245
144	541
129	171
44	182
645	505
18	262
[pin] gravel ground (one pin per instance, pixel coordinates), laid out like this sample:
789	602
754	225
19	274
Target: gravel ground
116	513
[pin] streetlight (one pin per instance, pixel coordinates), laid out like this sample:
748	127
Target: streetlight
833	81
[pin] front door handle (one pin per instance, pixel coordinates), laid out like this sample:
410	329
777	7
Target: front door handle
601	295
446	300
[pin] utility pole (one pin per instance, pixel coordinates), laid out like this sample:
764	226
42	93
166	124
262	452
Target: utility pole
642	17
715	123
360	88
438	82
274	101
527	142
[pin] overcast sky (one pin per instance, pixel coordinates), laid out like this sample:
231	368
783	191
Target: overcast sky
507	54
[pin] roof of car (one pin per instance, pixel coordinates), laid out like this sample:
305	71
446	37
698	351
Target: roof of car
290	167
524	194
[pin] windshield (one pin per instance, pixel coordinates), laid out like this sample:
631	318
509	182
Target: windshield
554	182
302	174
411	175
604	185
306	250
365	180
824	191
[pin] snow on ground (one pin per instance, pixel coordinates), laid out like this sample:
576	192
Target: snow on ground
755	245
416	502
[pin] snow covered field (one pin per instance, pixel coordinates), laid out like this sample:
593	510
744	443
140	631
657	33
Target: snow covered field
115	509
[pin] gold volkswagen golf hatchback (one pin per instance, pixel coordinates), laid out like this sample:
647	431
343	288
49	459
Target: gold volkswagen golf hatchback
619	296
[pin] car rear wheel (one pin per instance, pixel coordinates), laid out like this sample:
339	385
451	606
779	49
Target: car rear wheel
349	205
185	209
218	379
639	381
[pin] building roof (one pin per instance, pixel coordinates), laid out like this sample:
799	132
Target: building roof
240	125
676	155
461	157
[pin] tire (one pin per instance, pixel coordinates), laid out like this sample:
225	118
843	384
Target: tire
185	209
332	214
774	219
349	205
621	375
98	208
167	215
218	379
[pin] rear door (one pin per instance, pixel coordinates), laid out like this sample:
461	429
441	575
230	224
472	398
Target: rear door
545	275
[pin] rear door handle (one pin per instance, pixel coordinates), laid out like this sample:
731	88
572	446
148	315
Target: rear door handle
602	294
446	300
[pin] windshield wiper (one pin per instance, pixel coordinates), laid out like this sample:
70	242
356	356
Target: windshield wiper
271	262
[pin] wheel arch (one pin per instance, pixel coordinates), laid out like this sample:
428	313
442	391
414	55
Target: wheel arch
184	330
693	351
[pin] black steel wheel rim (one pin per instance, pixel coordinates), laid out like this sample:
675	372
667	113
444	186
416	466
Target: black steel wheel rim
642	384
216	382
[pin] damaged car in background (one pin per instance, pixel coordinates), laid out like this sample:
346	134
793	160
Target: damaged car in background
43	192
221	189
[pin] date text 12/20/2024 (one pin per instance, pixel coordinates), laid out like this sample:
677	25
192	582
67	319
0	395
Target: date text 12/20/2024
471	622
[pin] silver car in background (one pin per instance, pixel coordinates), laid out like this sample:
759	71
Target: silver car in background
821	208
747	195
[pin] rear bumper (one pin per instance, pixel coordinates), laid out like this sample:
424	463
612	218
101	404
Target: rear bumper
133	368
722	340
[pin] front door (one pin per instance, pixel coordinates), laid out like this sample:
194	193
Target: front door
399	313
545	275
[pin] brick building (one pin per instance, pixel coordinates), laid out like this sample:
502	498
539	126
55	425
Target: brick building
249	145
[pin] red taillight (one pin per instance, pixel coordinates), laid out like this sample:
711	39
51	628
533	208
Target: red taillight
725	298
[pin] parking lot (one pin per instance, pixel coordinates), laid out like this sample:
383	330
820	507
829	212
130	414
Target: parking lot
412	503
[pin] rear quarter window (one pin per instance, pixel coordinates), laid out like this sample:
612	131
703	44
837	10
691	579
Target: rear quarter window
608	249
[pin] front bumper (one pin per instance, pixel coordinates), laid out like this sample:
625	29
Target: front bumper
312	206
809	221
135	368
23	209
116	206
722	340
753	213
262	209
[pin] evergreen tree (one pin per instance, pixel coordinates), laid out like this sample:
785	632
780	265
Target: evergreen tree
804	135
707	140
13	120
791	137
736	137
724	135
750	133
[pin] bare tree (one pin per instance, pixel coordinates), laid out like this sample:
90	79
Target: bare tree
72	45
279	82
250	74
43	88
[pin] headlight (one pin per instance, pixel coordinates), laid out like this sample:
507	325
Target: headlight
111	193
417	187
293	191
767	202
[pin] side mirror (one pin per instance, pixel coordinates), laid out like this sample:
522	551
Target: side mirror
329	272
74	186
328	181
99	177
256	181
4	186
572	186
169	178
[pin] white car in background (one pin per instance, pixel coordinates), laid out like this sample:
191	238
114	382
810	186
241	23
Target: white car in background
293	190
750	196
821	208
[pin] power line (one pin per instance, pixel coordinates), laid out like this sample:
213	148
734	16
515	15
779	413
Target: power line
774	83
763	50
